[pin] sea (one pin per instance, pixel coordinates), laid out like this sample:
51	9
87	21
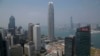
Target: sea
95	37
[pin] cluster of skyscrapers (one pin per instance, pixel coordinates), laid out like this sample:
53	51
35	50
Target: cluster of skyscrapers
13	41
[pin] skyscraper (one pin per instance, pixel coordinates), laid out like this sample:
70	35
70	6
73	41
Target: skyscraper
70	46
30	32
3	47
72	26
83	41
11	25
51	21
2	30
37	37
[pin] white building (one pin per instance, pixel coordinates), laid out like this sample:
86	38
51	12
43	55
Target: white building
37	37
29	49
9	39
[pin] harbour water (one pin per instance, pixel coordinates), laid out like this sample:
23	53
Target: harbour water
95	37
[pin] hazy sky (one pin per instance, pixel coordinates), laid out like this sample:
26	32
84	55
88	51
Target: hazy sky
36	11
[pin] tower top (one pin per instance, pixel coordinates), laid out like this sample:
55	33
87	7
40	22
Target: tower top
37	25
50	2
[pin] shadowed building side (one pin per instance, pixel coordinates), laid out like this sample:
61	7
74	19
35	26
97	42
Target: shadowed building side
30	32
3	46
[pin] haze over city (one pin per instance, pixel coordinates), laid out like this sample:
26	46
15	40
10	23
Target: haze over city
49	28
36	11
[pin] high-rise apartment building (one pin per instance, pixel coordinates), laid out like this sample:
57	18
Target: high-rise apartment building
11	25
30	32
51	21
83	41
72	25
37	37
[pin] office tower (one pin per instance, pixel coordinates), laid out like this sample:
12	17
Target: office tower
19	29
51	21
25	34
37	37
30	32
83	41
16	50
69	46
3	47
11	25
2	30
18	38
29	49
72	25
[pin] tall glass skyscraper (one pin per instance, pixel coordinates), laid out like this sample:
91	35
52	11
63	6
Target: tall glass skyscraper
51	21
11	25
83	41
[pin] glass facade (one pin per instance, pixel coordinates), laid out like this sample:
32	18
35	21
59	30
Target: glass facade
51	21
83	41
11	25
69	46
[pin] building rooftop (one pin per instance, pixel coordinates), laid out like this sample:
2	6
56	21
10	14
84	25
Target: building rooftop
29	43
